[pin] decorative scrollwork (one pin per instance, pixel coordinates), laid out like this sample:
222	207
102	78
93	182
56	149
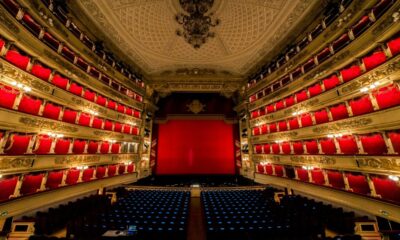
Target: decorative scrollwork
16	162
75	160
323	160
345	125
392	164
46	124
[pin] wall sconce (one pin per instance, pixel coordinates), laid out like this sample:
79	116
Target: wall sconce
21	86
335	135
394	178
298	113
55	135
112	141
92	112
307	167
128	163
82	167
1	176
370	87
278	141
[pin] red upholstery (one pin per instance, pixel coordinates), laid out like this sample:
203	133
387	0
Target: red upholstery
17	59
263	129
268	169
89	95
388	189
54	179
100	172
43	144
17	144
339	112
306	120
272	127
111	104
394	46
350	73
336	179
374	60
87	174
348	145
79	146
289	101
321	116
76	89
31	183
270	108
331	82
29	105
298	148
136	114
387	97
395	140
361	106
41	72
7	186
127	129
135	131
7	96
104	147
278	170
62	146
258	149
312	147
255	114
282	126
120	108
315	90
112	169
60	81
69	116
101	100
128	111
302	174
51	111
108	125
256	131
93	147
72	177
279	105
317	176
121	169
358	183
84	119
373	144
260	168
97	123
286	148
328	146
294	123
115	148
301	96
252	98
131	168
267	148
275	148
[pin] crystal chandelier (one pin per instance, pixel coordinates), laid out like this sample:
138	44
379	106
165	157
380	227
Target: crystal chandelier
196	25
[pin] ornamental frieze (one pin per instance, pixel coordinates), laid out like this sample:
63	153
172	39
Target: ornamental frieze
304	105
260	158
345	125
83	103
66	65
124	157
12	163
45	124
282	135
385	24
7	22
324	160
75	159
392	164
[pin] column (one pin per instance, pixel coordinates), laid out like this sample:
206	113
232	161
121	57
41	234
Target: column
346	182
94	174
3	141
296	175
284	172
31	144
80	176
310	179
43	184
326	177
64	178
273	170
18	187
388	143
371	186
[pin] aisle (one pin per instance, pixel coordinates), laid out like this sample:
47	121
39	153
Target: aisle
196	227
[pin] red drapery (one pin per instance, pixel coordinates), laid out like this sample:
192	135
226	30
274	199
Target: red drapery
350	73
321	116
19	60
394	46
62	146
330	82
93	147
328	146
373	144
358	183
54	179
31	184
293	123
76	89
43	144
17	144
7	96
41	72
336	179
361	106
339	112
302	174
60	81
312	147
72	176
306	120
388	189
51	111
348	145
69	116
387	97
7	186
29	105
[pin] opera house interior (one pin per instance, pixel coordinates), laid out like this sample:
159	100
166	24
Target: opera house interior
200	119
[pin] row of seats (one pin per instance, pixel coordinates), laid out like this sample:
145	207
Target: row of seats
371	144
332	12
364	23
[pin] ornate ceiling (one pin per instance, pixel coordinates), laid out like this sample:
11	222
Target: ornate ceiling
145	31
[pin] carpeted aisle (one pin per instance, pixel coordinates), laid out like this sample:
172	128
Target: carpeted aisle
196	226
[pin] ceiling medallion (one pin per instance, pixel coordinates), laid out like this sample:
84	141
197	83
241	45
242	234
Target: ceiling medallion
196	25
196	107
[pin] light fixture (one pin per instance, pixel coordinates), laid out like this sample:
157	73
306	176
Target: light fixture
394	178
370	87
196	25
278	141
93	112
55	135
113	141
21	86
307	167
338	135
1	176
298	113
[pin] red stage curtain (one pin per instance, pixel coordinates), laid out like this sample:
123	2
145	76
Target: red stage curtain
112	169
336	179
17	144
268	169
328	146
282	126
258	149
31	184
121	169
321	116
260	168
29	105
373	144
394	46
60	81
395	139
387	97
120	108
62	146
108	125
41	72
279	105
306	120
51	111
278	170
388	189
348	145
331	82
315	90
115	148
79	146
301	96
302	174
312	147
136	114
72	177
298	147
104	147
275	148
289	101
128	111
76	89
17	59
54	179
127	129
7	186
87	174
43	144
195	147
7	96
267	148
317	176
272	127
93	147
84	119
358	183
374	60
286	148
131	168
264	129
339	112
101	100
293	123
270	108
69	116
111	104
100	172
361	106
89	95
97	123
350	73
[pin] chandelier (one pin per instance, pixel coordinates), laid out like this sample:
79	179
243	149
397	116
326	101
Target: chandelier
196	25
